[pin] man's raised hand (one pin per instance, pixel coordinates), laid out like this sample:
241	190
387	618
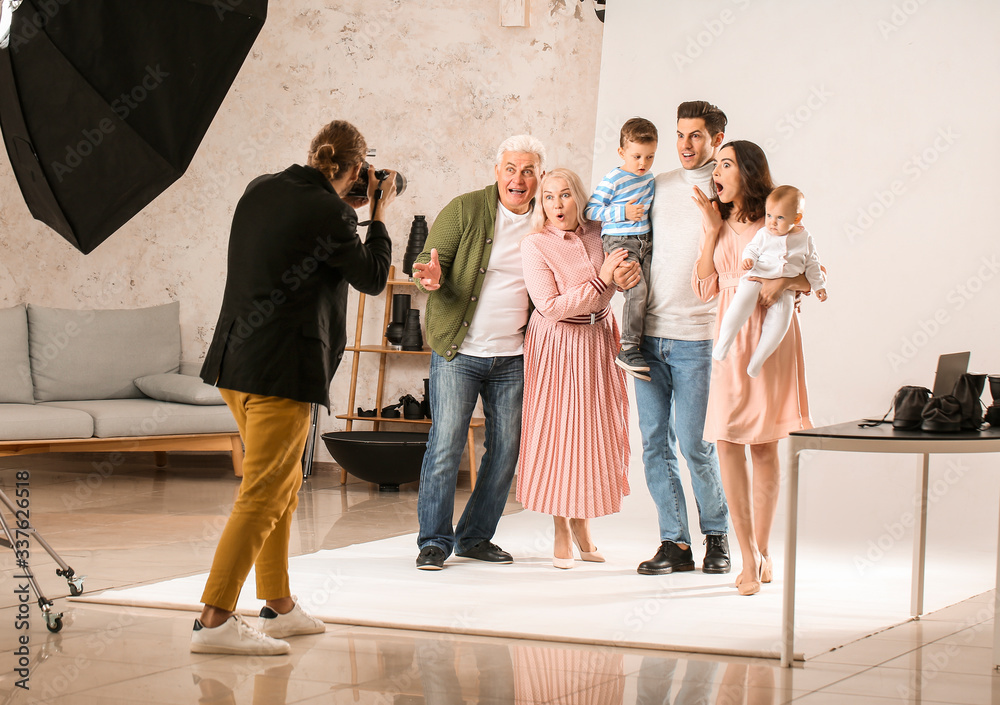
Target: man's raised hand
429	275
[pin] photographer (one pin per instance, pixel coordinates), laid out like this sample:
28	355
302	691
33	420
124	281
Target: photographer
293	251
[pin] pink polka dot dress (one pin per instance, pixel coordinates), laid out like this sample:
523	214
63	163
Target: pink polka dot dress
574	435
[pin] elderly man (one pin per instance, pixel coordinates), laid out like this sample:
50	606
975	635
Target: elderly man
477	310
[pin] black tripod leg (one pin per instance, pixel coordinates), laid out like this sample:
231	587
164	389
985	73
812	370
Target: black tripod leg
307	457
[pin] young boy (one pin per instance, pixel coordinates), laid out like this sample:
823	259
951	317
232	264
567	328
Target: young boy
621	203
782	248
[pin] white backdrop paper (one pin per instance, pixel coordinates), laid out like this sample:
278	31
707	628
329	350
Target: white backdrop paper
882	113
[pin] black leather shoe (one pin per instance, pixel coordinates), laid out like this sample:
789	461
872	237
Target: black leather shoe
716	555
669	558
486	551
430	558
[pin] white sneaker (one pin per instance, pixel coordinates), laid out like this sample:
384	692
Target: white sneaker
234	636
293	623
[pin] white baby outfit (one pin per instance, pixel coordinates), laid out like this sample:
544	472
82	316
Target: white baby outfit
774	256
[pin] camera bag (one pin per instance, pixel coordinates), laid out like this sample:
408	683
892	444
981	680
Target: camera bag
968	390
908	403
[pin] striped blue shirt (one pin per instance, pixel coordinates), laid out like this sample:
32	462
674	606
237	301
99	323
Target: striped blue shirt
607	205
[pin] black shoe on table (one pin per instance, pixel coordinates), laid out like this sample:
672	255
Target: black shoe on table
669	558
716	555
486	551
430	558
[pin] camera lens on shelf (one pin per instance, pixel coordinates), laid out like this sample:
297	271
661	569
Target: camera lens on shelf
415	243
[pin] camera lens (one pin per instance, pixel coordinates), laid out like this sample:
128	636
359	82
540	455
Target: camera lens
360	187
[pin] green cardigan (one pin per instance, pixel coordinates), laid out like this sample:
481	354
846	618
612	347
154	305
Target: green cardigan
463	237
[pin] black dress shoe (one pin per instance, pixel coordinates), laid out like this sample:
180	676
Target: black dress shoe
716	555
430	558
669	558
486	551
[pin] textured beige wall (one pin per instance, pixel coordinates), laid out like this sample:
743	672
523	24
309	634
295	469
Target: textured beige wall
434	85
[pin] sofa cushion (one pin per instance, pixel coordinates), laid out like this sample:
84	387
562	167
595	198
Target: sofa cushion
97	354
115	418
15	371
21	422
182	389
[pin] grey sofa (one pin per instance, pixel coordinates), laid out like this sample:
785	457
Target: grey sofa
105	380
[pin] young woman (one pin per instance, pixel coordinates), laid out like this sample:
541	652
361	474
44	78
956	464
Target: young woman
745	411
574	438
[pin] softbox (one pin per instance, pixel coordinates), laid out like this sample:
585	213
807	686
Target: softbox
103	103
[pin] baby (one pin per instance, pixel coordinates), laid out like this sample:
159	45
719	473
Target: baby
782	248
621	204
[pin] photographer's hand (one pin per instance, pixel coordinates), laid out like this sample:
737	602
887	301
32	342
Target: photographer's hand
388	189
354	201
429	275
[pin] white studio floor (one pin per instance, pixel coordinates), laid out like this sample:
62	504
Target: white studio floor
376	584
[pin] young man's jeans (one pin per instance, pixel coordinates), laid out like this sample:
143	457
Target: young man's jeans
640	249
455	386
672	411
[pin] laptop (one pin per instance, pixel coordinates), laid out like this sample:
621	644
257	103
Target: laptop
950	368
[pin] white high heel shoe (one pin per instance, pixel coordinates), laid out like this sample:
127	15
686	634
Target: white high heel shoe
589	556
563	563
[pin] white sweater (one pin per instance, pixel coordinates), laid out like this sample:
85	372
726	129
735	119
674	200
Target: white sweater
672	309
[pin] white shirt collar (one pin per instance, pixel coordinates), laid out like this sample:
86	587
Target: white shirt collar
510	215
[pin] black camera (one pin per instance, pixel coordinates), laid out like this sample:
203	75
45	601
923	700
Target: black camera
360	187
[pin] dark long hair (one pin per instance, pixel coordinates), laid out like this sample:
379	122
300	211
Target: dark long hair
756	180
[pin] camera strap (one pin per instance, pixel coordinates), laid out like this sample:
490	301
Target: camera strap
376	197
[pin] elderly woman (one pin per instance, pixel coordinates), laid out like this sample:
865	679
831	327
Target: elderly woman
574	439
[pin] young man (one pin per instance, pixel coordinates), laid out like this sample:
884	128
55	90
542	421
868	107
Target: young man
270	370
477	311
677	345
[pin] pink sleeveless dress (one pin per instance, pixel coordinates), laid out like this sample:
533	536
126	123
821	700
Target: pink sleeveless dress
742	409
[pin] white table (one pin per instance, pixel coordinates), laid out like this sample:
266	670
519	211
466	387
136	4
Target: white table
879	439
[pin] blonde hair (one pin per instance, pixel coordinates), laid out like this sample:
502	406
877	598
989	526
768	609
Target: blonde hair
575	188
790	194
338	147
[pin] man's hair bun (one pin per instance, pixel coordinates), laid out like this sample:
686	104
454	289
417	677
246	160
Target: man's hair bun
336	148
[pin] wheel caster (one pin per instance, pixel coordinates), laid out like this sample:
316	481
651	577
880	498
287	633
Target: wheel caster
53	622
76	586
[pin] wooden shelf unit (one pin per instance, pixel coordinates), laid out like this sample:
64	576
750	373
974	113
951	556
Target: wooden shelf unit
384	351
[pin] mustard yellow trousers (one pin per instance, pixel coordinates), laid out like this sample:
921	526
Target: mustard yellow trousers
274	432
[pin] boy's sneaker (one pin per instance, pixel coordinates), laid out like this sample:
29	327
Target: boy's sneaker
292	623
632	361
234	636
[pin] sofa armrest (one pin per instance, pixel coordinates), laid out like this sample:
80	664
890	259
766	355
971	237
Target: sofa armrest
191	368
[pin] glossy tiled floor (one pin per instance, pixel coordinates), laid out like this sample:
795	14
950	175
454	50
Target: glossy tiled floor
122	522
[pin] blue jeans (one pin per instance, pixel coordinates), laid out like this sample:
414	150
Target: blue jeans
672	411
455	386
